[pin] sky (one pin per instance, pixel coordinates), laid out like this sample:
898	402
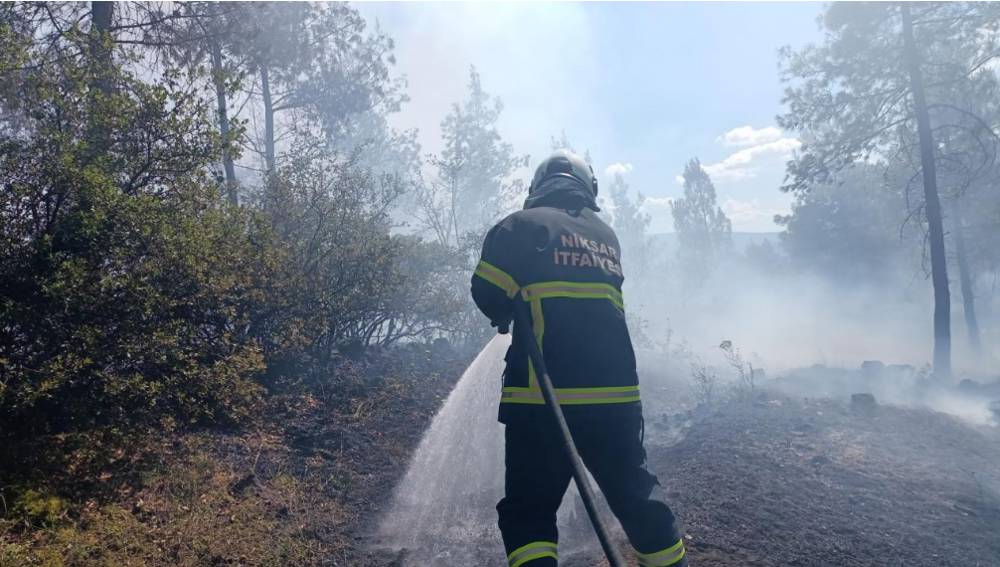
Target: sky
644	87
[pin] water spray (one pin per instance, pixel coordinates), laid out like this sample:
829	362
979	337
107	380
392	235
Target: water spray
579	473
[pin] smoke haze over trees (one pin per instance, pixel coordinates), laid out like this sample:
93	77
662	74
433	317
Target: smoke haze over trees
261	135
885	84
204	206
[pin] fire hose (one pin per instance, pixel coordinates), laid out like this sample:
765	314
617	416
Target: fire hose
523	319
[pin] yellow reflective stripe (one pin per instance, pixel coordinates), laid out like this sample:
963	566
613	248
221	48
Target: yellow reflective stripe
564	283
532	551
572	396
534	294
588	295
585	390
664	558
584	402
538	328
525	547
534	556
497	277
574	290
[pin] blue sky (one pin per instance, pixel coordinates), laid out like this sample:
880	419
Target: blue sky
643	86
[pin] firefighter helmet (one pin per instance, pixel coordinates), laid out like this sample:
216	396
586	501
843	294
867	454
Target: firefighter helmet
564	173
564	164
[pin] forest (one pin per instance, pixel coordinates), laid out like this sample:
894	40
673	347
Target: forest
233	293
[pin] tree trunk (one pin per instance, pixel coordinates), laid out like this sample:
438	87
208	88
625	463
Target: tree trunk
932	204
101	14
218	76
965	279
265	86
98	137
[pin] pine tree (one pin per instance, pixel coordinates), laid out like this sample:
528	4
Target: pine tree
473	182
703	230
880	90
631	224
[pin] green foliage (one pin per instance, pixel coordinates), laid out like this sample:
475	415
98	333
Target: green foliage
342	270
850	97
306	66
131	308
37	508
127	288
136	300
132	296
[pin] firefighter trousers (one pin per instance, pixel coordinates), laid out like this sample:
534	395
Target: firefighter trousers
538	473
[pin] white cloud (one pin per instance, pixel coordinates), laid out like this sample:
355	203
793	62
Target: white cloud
748	161
618	168
749	136
752	173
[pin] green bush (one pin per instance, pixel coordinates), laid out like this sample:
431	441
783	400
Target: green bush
130	293
132	309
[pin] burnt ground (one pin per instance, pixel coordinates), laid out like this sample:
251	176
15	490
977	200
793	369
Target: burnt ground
814	482
782	481
811	482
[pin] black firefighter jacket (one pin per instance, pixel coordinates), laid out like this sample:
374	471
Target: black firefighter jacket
565	262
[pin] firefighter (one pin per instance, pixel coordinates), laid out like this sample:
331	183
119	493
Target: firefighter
559	257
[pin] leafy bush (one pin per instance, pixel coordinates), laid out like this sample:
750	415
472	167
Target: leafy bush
132	308
128	292
132	295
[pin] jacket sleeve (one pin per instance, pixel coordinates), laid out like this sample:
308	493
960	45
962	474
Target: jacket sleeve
493	285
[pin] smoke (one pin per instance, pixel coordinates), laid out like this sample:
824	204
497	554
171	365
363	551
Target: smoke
810	335
970	408
630	84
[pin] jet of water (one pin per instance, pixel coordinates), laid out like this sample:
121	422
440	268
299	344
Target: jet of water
444	506
443	511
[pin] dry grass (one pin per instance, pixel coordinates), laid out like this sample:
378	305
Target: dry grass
296	487
193	511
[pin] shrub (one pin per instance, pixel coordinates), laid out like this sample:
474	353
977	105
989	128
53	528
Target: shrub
703	383
131	308
746	376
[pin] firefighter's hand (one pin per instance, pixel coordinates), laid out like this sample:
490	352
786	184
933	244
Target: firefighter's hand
503	327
